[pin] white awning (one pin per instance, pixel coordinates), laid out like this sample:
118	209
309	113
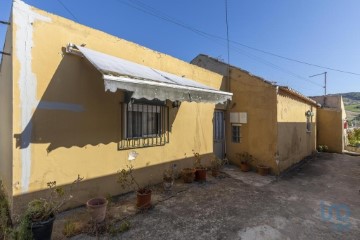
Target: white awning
149	83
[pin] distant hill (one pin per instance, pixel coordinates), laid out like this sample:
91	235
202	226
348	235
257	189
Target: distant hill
350	98
352	106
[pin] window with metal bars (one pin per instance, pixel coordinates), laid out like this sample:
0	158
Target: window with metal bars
235	133
145	125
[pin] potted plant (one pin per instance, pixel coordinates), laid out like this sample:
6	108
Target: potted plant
216	165
97	208
245	159
38	219
200	170
188	175
127	179
168	179
263	170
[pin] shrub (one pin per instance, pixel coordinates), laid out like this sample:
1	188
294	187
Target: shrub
5	220
354	137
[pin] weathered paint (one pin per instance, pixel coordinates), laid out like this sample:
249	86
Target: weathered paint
330	129
271	113
6	110
64	142
330	123
24	19
294	141
60	106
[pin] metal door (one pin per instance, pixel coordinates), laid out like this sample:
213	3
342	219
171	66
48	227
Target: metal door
219	134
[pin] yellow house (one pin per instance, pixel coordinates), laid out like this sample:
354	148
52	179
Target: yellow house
330	123
75	100
275	124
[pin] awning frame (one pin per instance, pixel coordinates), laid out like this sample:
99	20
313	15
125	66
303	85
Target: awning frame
150	88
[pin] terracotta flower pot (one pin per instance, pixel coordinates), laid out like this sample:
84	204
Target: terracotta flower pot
200	174
244	167
143	198
97	209
188	175
168	183
263	170
215	172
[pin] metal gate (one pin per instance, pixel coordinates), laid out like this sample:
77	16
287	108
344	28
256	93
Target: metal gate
219	134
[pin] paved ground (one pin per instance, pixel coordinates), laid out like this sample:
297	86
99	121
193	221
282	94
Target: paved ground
319	200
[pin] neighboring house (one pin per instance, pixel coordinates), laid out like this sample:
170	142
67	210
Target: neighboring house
331	123
275	124
68	109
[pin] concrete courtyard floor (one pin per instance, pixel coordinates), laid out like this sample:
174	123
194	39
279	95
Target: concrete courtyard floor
318	200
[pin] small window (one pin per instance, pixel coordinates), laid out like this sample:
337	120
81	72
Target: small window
144	125
143	121
235	133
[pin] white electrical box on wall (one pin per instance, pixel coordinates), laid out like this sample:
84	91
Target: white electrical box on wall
243	117
238	117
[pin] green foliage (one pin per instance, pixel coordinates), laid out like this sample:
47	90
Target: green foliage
5	220
126	178
168	175
69	229
197	162
323	148
113	229
354	137
42	209
216	163
245	157
353	107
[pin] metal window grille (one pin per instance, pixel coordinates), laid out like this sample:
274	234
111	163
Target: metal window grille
235	134
145	125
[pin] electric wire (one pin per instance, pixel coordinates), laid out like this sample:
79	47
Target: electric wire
156	13
148	10
68	10
140	6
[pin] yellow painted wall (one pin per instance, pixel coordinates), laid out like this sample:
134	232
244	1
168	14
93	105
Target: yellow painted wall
258	136
276	127
330	129
294	141
258	99
331	122
6	116
66	143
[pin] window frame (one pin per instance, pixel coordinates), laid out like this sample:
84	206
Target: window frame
161	135
236	138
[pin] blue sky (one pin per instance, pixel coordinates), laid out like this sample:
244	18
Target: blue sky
322	32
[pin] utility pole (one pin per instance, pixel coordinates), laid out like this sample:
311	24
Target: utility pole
324	73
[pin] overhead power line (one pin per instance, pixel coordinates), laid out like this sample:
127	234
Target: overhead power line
68	10
294	60
140	6
156	13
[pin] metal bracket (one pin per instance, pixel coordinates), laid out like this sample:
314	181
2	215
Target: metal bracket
4	53
3	22
71	49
